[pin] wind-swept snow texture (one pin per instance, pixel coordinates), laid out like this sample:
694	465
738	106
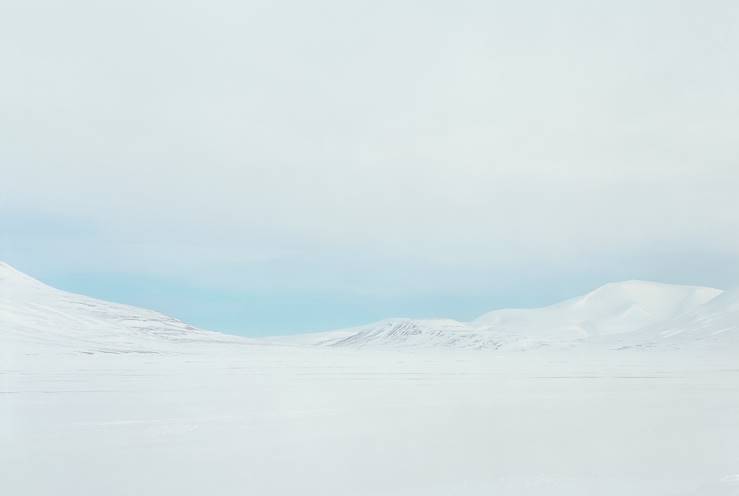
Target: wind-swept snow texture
98	398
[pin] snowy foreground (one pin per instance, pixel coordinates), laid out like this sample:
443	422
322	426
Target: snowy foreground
273	420
104	399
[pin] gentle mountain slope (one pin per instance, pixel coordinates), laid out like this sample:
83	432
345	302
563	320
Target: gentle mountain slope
714	324
33	314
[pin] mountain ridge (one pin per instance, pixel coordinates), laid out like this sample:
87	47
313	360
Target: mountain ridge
612	313
625	314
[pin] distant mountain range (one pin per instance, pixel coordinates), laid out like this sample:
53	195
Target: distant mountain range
629	314
617	315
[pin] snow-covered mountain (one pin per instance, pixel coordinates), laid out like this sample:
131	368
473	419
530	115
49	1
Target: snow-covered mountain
713	324
614	308
616	314
34	315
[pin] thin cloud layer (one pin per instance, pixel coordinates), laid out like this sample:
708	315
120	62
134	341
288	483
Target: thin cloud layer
372	146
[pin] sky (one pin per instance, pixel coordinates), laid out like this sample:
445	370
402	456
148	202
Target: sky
268	167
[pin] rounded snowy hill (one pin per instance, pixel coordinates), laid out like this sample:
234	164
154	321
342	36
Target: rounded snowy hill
614	308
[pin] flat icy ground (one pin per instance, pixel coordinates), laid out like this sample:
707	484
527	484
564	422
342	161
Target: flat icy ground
266	420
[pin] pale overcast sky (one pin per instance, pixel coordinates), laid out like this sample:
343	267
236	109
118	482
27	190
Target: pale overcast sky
277	166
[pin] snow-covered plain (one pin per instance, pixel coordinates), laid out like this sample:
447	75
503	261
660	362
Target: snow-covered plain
97	398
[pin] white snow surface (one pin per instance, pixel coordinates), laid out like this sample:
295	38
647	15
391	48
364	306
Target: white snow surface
100	398
284	420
